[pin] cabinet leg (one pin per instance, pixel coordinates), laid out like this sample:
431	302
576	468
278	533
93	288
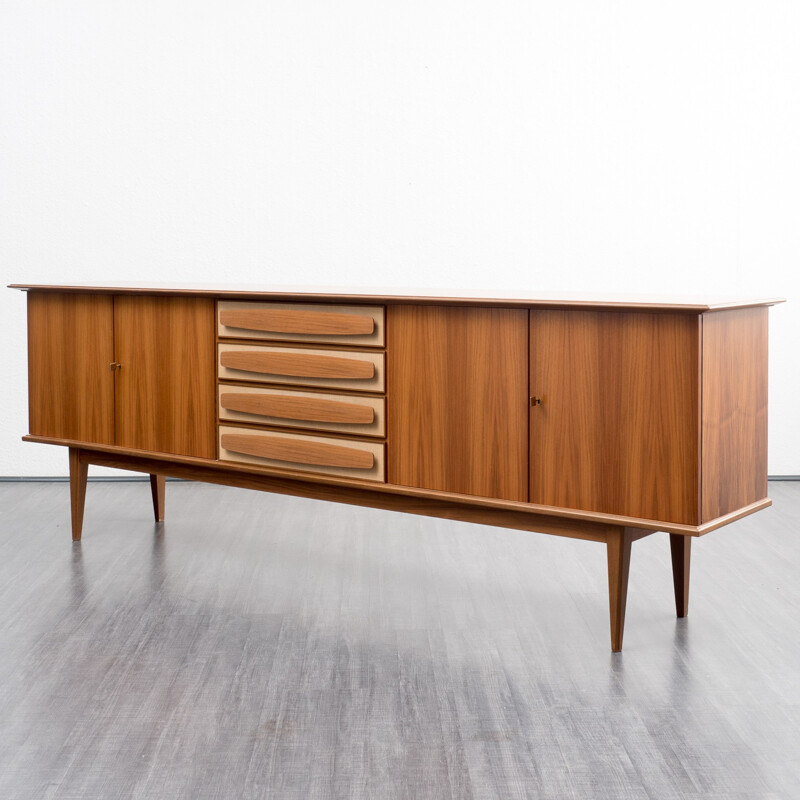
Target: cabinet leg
78	472
681	549
618	548
158	490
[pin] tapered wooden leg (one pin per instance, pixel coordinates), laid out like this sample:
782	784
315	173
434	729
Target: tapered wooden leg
78	472
619	561
681	548
158	490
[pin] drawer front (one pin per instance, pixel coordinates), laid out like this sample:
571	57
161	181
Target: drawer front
333	368
325	412
302	322
325	455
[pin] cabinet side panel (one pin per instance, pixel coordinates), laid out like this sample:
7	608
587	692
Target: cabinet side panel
735	354
165	392
70	385
618	428
457	399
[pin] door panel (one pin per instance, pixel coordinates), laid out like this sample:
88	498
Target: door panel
735	355
70	347
165	386
618	427
457	399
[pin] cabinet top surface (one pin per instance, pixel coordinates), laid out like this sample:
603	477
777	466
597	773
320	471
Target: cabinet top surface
340	294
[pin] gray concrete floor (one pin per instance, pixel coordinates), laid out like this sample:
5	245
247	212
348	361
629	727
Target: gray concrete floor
264	646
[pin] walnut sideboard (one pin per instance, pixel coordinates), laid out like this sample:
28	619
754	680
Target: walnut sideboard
594	419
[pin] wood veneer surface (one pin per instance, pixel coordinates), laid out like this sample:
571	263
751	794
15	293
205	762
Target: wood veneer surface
289	321
297	365
618	428
70	384
303	452
165	394
735	356
457	399
297	450
304	409
334	412
311	322
362	370
427	296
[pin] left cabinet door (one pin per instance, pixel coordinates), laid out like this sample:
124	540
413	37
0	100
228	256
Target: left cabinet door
165	398
70	384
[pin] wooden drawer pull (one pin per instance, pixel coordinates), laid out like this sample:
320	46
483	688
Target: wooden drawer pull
302	408
288	321
297	364
298	451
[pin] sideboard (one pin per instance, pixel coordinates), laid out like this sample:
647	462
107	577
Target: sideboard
593	418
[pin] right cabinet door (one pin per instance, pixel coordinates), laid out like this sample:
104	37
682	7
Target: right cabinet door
617	430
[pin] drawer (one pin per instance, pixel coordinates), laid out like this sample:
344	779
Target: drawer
325	412
333	368
343	457
302	322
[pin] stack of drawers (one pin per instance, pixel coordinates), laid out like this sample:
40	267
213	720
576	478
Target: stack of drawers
302	387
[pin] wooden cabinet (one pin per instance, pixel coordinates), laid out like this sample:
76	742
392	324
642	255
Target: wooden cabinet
598	420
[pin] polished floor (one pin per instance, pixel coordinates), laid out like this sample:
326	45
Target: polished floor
264	646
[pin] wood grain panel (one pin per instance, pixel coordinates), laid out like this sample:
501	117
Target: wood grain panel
304	453
735	356
70	385
310	322
165	399
298	365
458	413
618	428
275	320
362	370
297	451
306	409
364	415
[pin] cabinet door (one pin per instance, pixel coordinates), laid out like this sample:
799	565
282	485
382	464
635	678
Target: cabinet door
165	384
457	399
618	427
70	385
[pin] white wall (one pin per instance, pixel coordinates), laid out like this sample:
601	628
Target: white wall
607	146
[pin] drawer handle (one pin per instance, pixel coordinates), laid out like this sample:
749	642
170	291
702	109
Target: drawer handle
288	321
297	364
298	451
301	408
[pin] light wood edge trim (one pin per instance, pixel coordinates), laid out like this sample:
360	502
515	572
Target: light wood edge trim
280	320
321	389
421	494
303	409
317	345
719	522
313	296
297	450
